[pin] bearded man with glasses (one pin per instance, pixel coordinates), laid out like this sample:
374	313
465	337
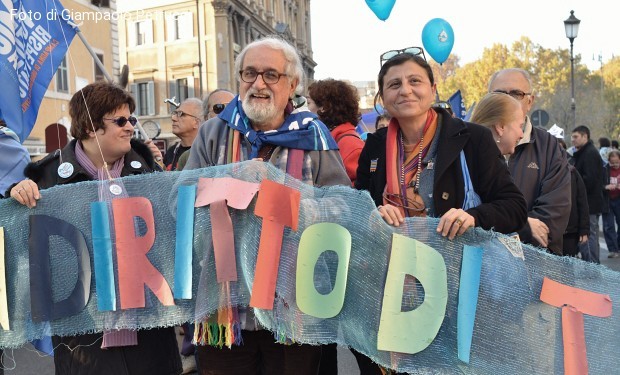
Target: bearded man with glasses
539	167
263	123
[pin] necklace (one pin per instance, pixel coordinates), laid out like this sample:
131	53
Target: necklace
416	183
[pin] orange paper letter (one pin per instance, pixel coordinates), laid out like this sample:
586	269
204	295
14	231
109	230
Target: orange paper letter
134	268
574	303
278	205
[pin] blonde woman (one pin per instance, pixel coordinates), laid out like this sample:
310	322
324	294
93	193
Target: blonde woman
503	115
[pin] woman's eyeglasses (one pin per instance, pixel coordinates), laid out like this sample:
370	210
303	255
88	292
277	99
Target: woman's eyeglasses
414	51
121	121
178	113
517	94
397	200
218	108
270	77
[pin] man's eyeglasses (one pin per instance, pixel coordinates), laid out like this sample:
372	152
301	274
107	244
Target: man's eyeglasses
269	76
121	121
415	51
218	108
178	113
517	94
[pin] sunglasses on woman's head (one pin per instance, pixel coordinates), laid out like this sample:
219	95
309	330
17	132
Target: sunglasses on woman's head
218	108
414	51
121	121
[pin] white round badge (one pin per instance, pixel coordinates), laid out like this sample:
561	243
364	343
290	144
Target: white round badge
135	164
115	189
65	170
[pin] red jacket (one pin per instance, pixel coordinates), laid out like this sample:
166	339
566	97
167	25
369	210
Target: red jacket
350	145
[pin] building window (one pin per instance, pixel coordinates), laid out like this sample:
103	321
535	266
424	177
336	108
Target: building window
101	3
180	26
142	33
144	94
182	89
99	76
62	77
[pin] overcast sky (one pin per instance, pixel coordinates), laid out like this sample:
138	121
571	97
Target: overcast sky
347	38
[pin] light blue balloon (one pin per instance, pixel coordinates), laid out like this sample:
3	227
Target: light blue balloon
438	39
381	8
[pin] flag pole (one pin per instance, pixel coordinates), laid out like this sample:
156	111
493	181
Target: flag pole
105	72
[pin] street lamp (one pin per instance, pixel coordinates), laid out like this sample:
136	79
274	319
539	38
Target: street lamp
571	26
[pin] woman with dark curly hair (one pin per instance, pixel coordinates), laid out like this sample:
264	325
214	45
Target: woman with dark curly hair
337	104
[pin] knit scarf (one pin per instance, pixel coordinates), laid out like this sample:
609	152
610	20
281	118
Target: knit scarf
301	130
402	171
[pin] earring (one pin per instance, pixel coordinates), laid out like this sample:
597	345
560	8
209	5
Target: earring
498	139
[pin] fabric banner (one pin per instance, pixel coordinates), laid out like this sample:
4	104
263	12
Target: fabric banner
352	263
34	37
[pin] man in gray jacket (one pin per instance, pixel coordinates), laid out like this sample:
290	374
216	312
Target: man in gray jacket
539	167
262	123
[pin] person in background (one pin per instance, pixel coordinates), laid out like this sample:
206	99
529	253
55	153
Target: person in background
589	164
413	168
503	115
106	142
611	218
539	167
382	121
13	159
215	102
185	123
614	144
263	124
578	227
212	105
337	105
445	105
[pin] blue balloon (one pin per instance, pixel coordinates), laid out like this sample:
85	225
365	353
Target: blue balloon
381	8
438	39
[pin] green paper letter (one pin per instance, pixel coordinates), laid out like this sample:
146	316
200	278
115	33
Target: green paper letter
315	240
412	331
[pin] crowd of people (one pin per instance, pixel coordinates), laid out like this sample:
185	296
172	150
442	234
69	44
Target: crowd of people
496	171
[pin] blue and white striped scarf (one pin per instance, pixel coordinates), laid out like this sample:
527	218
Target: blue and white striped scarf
301	130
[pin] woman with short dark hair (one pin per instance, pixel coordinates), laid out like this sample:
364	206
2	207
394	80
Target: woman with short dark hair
102	126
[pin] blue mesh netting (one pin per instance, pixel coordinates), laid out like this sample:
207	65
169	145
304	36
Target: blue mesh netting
514	331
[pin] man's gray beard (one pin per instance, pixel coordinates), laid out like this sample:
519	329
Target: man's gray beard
259	113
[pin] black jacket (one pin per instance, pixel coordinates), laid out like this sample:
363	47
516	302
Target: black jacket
579	220
503	206
589	164
539	168
45	171
157	350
